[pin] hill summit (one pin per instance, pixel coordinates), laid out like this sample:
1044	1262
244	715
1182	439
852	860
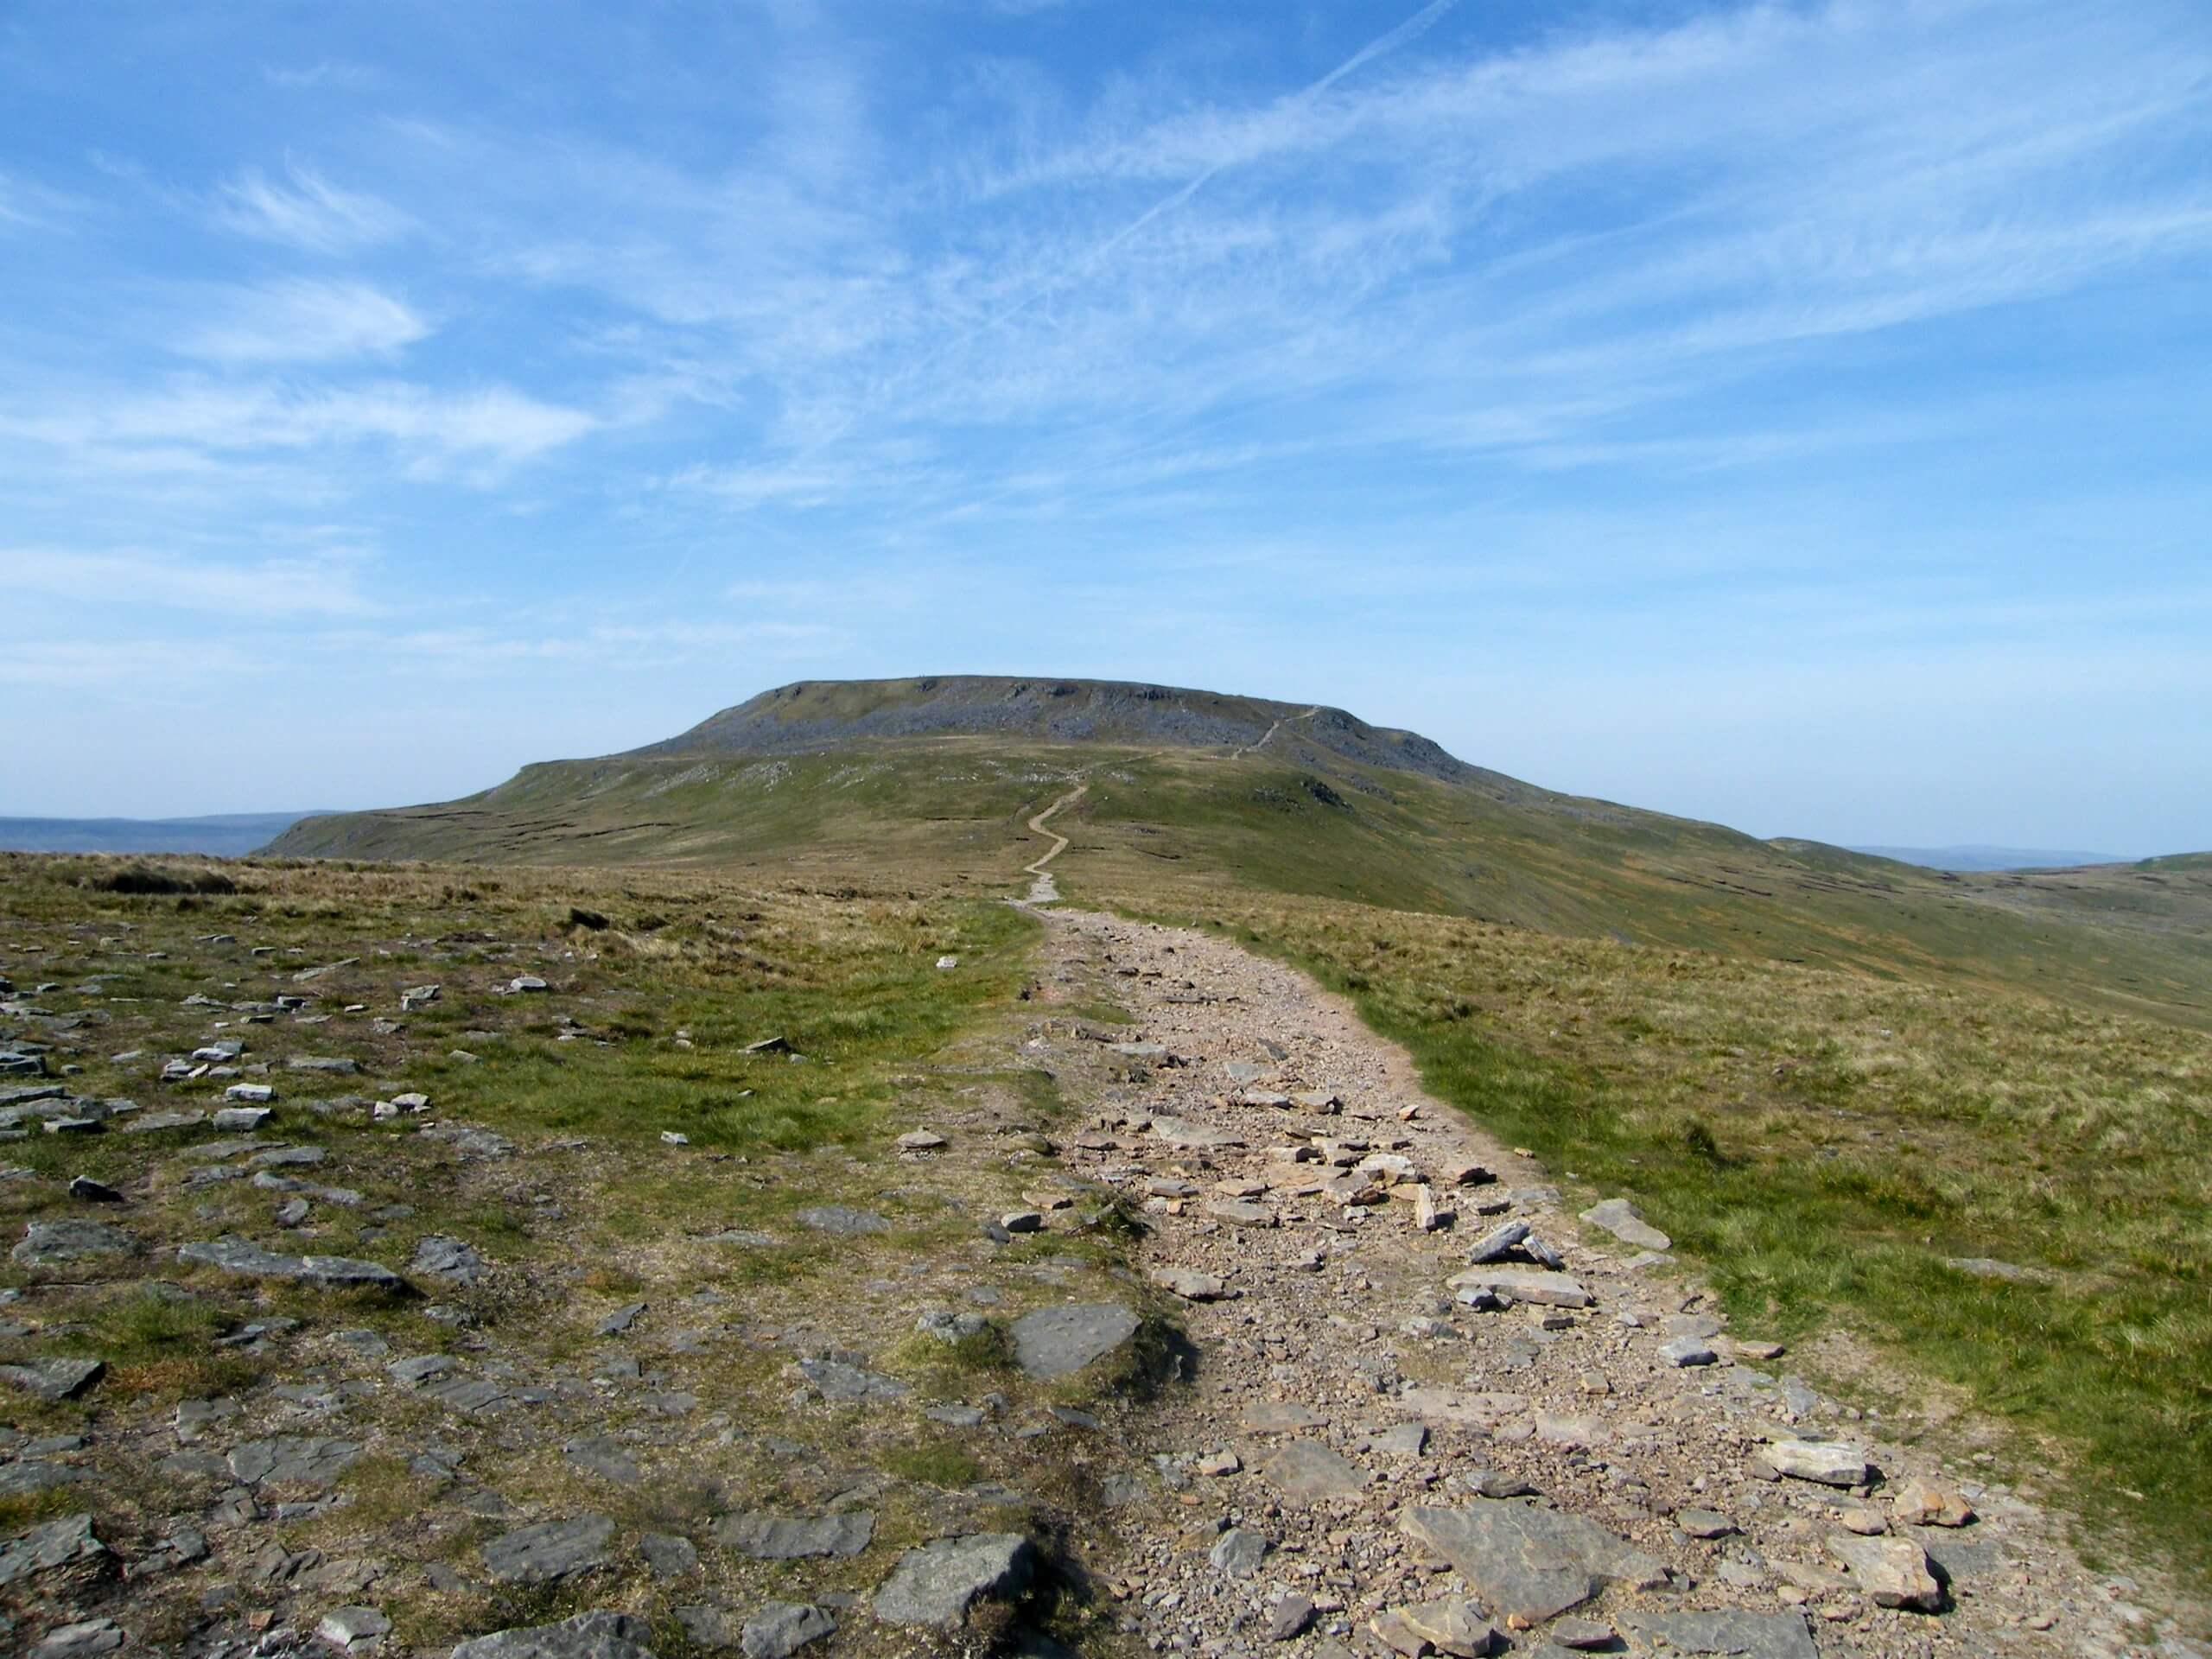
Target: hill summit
809	716
918	783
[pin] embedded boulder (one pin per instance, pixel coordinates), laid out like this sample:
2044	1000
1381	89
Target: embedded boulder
1531	1564
938	1583
587	1636
1060	1341
550	1551
55	1243
234	1255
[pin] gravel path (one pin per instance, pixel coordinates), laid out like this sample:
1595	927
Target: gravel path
1373	1425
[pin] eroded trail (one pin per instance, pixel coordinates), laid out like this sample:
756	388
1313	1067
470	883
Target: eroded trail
1382	1447
1044	890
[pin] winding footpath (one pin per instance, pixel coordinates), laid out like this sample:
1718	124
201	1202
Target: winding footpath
1432	1406
1044	890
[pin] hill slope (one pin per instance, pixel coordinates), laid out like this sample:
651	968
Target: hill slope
935	780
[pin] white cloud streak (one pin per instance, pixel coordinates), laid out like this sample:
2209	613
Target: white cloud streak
303	209
262	588
305	321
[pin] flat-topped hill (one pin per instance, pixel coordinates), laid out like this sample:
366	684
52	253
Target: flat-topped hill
811	716
926	781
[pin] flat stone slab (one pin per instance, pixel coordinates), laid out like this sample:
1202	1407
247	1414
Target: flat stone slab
1830	1463
28	1475
1538	1285
1189	1284
841	1219
1239	1551
1060	1341
780	1629
1240	1213
605	1457
47	1243
147	1122
86	1639
1461	1407
550	1551
1192	1136
448	1259
668	1555
1306	1471
1274	1416
791	1538
293	1461
839	1381
235	1255
68	1543
1734	1631
53	1379
471	1140
587	1636
1625	1222
1530	1563
938	1583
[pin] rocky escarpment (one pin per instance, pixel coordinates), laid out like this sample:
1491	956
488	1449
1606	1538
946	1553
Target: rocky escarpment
815	714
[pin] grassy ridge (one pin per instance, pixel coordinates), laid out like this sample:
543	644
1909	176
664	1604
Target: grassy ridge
1826	1144
953	810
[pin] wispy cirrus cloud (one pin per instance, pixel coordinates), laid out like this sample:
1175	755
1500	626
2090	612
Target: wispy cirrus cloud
303	209
261	589
305	321
26	205
430	426
1228	345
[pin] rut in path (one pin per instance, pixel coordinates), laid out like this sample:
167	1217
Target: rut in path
1339	1399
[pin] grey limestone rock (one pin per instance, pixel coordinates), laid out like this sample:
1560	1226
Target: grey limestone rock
587	1636
549	1550
293	1461
841	1380
938	1583
234	1255
1736	1632
780	1629
51	1243
1625	1222
449	1259
68	1543
841	1219
1530	1563
667	1556
53	1379
1306	1471
1239	1551
788	1538
1058	1341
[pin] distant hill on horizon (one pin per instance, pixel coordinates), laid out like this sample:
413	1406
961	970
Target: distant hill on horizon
934	780
1996	858
223	835
809	716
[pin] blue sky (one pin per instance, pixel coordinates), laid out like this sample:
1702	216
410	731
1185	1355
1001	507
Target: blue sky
1793	415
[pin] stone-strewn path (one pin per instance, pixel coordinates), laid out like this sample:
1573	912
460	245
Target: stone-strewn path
1388	1447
